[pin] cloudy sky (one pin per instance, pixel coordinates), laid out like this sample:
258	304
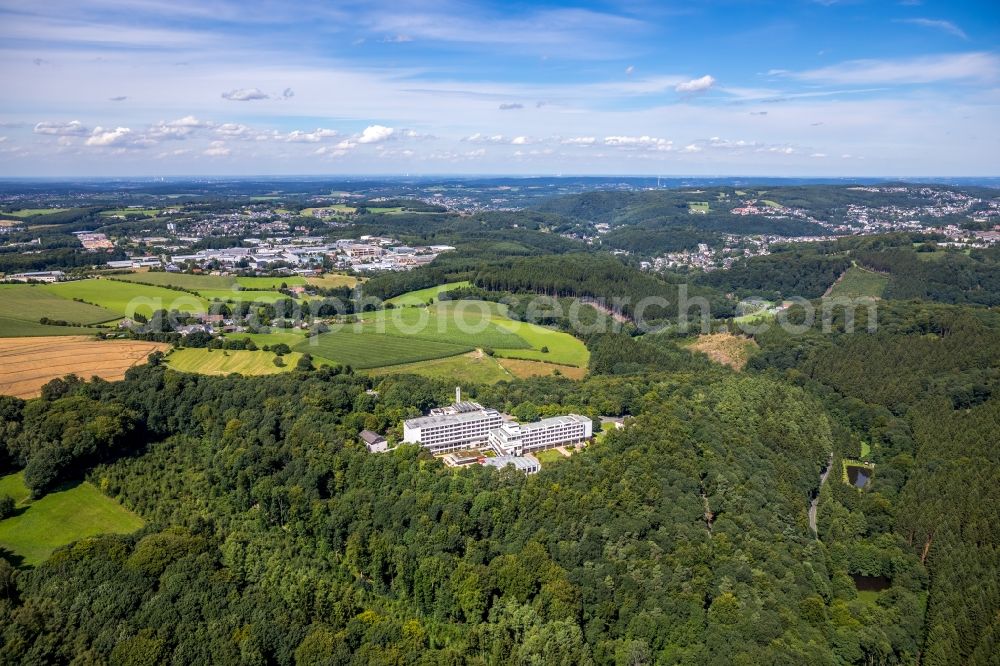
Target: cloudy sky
755	87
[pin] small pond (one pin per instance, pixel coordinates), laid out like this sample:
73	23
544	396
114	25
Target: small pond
858	475
870	583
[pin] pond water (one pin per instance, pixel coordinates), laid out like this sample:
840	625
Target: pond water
858	476
870	583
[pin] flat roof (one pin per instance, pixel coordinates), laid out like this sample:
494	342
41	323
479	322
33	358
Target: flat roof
521	463
425	421
554	421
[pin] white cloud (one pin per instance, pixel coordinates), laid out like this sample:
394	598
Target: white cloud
298	136
217	149
108	137
520	141
639	142
977	66
513	106
72	128
375	134
232	130
245	94
176	129
629	70
579	141
484	138
696	85
937	24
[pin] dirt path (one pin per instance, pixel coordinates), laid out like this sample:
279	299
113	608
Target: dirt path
814	505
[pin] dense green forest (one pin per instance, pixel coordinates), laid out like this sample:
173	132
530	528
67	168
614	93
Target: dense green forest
274	537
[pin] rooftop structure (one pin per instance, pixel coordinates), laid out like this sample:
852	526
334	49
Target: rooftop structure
525	464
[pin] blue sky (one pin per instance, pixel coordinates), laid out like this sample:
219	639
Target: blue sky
175	87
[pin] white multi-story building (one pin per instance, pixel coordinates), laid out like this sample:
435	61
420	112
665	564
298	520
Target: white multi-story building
468	424
513	439
460	426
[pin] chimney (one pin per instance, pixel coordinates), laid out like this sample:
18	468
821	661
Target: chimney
458	394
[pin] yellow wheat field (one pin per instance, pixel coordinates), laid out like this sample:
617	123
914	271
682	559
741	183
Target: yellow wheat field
26	364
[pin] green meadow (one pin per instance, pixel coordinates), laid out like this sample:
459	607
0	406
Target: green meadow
424	296
127	298
858	282
224	362
32	302
372	350
470	368
467	323
59	518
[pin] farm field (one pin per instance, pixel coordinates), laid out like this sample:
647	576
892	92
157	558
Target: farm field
224	362
563	348
725	348
472	368
423	296
182	280
471	324
32	302
331	281
290	337
127	298
29	212
26	364
270	283
372	350
858	282
521	368
22	328
233	296
59	518
698	206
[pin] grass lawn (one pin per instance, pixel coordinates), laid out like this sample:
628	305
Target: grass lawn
224	362
467	323
471	368
549	456
771	204
424	296
127	298
698	206
61	517
868	596
858	282
563	348
373	350
32	302
866	449
331	280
